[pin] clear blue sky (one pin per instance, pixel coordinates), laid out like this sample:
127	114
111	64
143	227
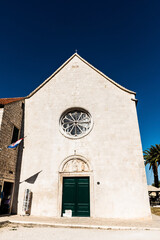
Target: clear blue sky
119	37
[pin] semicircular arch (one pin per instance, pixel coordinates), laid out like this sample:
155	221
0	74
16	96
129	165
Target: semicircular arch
75	163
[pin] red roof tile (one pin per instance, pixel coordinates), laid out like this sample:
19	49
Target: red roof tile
5	101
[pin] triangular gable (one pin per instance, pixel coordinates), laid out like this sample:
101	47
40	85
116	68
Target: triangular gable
95	69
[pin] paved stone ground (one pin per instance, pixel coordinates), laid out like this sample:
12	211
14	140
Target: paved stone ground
48	233
142	224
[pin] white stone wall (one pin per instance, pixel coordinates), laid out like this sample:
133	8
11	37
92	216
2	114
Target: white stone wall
1	115
113	147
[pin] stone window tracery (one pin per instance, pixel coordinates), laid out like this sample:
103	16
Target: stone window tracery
76	123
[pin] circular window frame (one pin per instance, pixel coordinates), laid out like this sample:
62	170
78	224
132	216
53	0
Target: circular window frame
78	136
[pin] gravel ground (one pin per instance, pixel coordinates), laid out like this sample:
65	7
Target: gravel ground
47	233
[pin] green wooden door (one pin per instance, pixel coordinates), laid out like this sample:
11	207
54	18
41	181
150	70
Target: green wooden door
76	196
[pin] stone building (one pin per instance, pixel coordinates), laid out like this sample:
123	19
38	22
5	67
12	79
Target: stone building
82	153
11	119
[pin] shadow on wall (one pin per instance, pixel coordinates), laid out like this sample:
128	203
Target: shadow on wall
18	168
32	179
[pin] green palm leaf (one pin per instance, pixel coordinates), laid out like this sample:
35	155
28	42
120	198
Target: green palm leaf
152	157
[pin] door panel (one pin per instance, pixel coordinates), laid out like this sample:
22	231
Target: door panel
69	195
83	206
76	196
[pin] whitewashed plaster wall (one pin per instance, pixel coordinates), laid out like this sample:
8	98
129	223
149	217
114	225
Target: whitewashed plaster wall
113	147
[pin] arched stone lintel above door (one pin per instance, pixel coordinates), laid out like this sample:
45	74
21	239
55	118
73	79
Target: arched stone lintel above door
75	164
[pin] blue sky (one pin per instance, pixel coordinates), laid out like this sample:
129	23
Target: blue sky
119	37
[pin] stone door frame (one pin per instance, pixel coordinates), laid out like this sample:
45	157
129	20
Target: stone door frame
63	174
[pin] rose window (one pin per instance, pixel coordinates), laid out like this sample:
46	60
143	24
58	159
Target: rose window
76	123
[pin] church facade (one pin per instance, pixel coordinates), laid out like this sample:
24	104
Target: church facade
82	152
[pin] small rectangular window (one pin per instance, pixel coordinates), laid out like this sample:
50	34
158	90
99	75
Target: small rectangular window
15	134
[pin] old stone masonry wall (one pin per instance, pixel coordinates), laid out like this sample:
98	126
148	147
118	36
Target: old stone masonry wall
12	116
